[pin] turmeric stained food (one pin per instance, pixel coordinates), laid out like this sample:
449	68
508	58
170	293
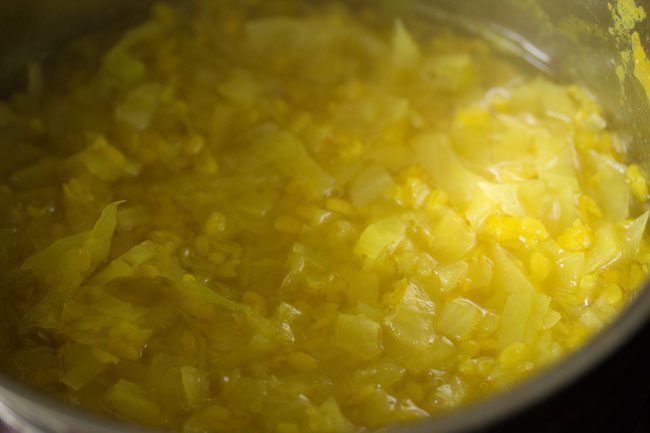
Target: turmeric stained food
303	220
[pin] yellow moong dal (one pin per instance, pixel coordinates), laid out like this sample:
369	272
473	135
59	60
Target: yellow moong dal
283	218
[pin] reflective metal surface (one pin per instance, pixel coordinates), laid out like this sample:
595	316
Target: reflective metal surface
33	29
568	39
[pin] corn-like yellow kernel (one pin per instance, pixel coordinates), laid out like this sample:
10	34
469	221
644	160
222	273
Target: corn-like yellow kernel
503	227
202	245
215	224
360	394
612	293
638	182
575	238
256	301
540	265
287	224
302	361
217	257
588	284
532	231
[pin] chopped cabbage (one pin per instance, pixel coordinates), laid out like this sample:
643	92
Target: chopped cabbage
405	49
105	161
380	236
358	336
128	400
139	106
66	263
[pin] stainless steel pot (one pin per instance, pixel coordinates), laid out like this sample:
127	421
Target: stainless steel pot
568	39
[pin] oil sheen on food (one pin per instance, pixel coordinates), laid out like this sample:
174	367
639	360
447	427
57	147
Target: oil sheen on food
283	218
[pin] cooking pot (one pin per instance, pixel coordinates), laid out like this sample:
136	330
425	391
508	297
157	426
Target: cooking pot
600	388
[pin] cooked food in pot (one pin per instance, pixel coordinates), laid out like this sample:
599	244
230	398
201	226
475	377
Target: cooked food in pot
284	218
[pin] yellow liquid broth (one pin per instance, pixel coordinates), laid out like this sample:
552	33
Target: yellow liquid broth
303	220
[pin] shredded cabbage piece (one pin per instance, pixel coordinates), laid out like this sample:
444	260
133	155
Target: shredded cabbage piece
66	263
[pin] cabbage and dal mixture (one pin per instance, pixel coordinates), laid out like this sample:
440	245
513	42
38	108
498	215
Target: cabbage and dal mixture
284	218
